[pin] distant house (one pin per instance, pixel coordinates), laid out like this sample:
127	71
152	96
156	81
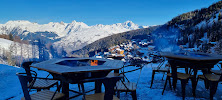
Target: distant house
139	53
99	57
151	48
112	49
119	51
106	53
143	44
116	56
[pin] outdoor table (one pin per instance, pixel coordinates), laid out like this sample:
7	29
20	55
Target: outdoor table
73	70
193	60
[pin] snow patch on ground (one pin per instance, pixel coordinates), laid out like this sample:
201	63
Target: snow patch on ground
9	84
4	43
17	49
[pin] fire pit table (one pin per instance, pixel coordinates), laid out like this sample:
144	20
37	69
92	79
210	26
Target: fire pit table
193	60
73	70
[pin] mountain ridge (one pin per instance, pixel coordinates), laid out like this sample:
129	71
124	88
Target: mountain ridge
71	36
112	40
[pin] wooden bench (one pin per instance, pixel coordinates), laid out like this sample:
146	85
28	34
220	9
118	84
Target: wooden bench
211	81
44	84
218	72
98	96
45	95
210	77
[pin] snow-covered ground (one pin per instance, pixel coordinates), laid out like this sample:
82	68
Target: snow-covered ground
9	84
11	88
17	49
4	43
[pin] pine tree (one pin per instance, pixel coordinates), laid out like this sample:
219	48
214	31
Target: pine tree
34	50
214	16
64	54
21	55
10	57
40	45
11	37
219	16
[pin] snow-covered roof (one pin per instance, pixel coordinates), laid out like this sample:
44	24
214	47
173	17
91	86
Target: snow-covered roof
99	57
118	49
150	46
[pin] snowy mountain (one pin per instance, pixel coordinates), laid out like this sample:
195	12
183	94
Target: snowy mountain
71	36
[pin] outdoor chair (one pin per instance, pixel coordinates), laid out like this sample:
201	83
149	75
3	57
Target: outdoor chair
98	96
218	72
155	57
39	83
41	95
124	85
160	68
183	77
80	85
211	81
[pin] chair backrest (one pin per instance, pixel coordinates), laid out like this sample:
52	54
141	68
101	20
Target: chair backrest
23	78
123	72
160	64
26	65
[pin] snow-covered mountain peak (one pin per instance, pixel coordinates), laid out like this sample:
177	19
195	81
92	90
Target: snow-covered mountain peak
129	23
54	24
72	36
74	21
79	24
99	25
19	22
62	23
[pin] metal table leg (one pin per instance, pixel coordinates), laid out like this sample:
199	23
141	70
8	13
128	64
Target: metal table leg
174	76
65	89
109	87
98	85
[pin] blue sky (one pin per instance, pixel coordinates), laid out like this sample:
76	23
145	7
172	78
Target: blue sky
91	12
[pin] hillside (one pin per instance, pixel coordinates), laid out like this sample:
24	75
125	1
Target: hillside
105	43
14	53
200	28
